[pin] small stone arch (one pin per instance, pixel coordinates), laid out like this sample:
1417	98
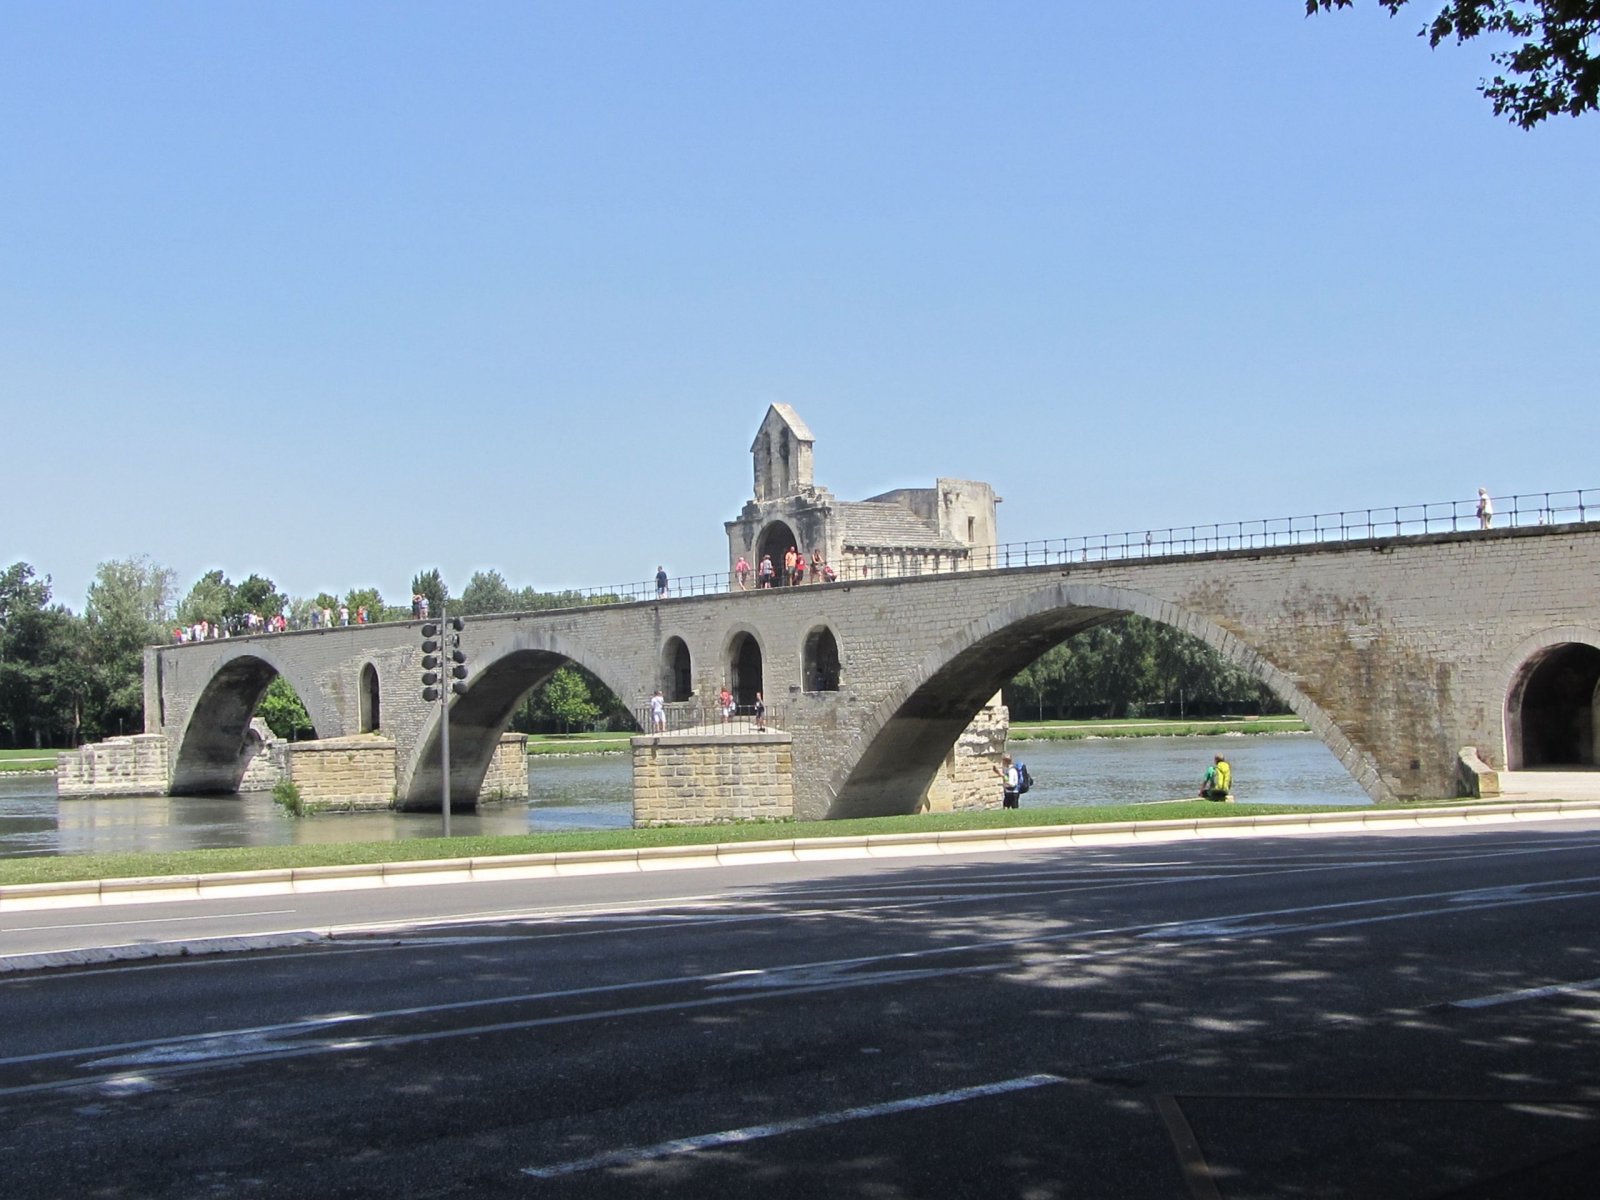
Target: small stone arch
677	670
775	540
819	661
1551	696
371	714
745	668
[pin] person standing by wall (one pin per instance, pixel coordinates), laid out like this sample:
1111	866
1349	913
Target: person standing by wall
658	712
661	582
1010	783
1485	509
741	570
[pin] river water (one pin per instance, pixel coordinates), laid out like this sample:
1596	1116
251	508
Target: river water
594	792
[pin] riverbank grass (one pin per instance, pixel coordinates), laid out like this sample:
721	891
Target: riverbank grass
1023	731
28	760
259	858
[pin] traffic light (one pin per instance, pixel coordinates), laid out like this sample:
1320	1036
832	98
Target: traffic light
438	664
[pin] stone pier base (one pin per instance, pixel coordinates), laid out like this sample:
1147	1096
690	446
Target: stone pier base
703	778
342	774
124	766
969	778
507	776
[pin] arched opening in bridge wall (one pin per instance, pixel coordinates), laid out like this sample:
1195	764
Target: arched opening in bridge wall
371	714
477	719
744	669
216	746
893	758
775	541
1551	709
677	674
819	661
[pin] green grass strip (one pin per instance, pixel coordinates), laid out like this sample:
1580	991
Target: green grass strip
257	858
1067	731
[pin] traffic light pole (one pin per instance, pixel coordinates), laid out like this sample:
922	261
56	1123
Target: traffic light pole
444	742
443	671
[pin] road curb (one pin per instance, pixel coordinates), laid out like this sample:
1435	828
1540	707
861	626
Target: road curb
134	951
279	881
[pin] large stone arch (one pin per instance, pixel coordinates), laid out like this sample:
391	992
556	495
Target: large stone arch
1516	672
480	716
897	751
210	752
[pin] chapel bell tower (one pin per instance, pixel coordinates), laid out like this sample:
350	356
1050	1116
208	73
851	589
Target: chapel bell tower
782	454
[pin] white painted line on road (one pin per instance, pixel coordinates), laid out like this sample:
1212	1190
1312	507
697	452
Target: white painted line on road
1586	986
271	912
752	1133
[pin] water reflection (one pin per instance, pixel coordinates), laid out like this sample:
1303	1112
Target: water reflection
596	793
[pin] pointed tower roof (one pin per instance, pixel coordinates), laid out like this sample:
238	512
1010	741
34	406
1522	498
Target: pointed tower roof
783	414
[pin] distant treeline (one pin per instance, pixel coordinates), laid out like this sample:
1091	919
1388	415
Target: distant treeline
69	678
1134	667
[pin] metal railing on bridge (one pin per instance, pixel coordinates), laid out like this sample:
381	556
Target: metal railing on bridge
1362	524
692	716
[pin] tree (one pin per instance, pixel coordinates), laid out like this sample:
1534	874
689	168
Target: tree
431	585
129	608
281	709
260	596
568	699
1553	70
211	599
44	676
486	592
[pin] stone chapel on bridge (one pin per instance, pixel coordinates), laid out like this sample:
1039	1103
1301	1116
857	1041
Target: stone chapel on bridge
908	531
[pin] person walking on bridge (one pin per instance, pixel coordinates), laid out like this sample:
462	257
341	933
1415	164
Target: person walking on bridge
1485	509
661	582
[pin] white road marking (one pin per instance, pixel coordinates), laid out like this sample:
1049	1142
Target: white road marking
272	912
752	1133
1582	987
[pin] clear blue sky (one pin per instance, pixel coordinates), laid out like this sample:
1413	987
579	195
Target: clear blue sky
338	292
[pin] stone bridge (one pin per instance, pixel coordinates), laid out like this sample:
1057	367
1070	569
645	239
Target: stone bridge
1397	651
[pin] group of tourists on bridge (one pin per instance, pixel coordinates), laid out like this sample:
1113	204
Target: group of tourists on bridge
249	624
795	571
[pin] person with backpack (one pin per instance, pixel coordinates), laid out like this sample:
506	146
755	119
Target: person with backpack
1218	782
1010	783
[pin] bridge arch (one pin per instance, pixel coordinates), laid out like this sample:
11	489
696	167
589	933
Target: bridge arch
744	665
677	670
1551	690
369	693
775	540
820	668
897	751
210	755
479	716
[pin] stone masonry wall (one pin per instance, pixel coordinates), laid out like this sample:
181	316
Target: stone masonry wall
343	773
969	778
124	766
507	777
705	779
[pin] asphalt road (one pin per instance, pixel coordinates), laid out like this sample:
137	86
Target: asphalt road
1376	1015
